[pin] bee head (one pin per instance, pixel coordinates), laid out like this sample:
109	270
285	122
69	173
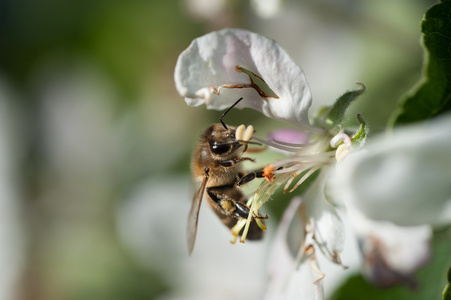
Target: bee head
222	140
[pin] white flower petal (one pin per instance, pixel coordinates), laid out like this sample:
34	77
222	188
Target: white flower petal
404	178
391	253
281	257
306	282
211	61
329	229
293	278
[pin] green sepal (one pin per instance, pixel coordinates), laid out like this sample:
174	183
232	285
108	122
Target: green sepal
360	136
333	117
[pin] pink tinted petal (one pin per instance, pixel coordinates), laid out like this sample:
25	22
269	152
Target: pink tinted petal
288	135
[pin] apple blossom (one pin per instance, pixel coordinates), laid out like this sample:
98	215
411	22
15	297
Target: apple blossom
220	67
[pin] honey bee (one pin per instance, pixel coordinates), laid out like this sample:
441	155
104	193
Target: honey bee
216	164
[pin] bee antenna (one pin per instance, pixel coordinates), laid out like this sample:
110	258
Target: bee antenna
225	113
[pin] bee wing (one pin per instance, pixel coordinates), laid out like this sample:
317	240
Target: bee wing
193	215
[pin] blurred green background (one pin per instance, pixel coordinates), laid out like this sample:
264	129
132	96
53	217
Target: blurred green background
95	142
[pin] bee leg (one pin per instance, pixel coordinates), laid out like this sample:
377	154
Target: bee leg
242	211
249	177
231	162
266	172
223	196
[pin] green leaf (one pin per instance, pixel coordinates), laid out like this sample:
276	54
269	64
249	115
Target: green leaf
433	97
447	290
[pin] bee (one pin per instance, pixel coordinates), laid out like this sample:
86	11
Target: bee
216	164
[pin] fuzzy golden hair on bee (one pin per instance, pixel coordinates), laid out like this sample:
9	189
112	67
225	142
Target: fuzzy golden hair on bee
217	169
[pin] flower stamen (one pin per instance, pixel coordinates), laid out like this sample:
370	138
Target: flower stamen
249	220
237	228
303	178
258	84
342	142
289	147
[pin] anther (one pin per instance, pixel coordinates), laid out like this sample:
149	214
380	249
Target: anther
239	132
343	144
248	133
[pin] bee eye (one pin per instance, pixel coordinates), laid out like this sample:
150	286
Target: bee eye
220	148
